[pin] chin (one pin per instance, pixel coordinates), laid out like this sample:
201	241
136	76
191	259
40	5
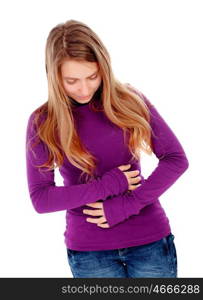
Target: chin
84	100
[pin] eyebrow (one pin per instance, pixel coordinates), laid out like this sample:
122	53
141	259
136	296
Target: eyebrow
78	78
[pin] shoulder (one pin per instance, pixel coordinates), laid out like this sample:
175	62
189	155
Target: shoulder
36	117
39	114
140	94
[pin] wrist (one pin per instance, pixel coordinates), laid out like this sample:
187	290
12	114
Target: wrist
116	180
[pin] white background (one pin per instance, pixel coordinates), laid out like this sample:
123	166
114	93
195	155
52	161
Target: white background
155	46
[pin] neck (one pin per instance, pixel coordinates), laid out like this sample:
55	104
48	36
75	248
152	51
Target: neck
95	97
78	103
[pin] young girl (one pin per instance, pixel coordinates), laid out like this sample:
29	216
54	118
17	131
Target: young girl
93	128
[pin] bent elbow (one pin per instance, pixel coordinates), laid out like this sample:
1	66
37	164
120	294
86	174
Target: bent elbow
177	162
39	209
185	163
39	200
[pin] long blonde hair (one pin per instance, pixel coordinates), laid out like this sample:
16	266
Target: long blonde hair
123	105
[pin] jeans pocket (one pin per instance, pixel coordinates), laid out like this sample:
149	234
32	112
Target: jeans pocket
171	251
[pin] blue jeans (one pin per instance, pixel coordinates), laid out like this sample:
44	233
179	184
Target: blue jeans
156	259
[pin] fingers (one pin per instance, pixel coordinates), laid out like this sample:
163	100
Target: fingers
93	212
96	212
103	225
124	167
130	174
95	204
134	187
133	173
96	220
134	180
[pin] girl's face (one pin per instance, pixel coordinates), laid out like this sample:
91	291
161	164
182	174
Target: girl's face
80	79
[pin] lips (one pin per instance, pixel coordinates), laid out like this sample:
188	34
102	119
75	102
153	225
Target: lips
83	98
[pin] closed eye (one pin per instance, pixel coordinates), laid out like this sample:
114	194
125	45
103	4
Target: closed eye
91	78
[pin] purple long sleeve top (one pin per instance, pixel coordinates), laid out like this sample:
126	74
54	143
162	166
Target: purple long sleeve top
135	217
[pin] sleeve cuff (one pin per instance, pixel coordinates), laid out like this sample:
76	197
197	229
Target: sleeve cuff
114	182
122	179
113	211
118	209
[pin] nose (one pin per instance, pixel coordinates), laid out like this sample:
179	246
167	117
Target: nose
83	90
